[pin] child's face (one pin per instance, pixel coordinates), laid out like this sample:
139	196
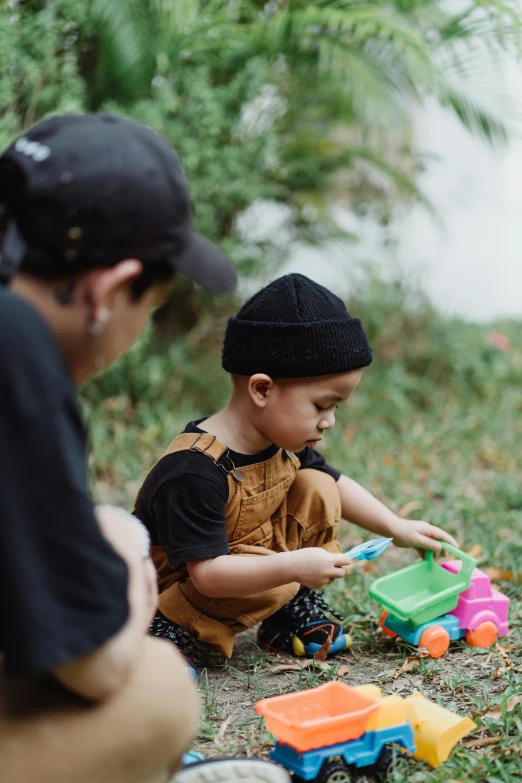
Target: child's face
297	413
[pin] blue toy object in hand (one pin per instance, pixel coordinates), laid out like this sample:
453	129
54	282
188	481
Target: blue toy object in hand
369	549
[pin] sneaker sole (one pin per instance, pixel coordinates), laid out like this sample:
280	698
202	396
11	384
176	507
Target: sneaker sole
232	770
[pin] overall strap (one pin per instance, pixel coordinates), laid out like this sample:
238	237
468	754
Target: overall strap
203	442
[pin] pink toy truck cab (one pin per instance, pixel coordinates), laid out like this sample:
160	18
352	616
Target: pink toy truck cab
431	604
480	604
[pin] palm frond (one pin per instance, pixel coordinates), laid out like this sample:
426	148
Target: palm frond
477	118
403	182
125	61
368	58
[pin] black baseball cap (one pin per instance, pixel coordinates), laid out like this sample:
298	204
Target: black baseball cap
82	191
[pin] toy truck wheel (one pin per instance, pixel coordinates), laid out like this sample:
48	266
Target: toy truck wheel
483	636
334	772
385	630
434	641
385	764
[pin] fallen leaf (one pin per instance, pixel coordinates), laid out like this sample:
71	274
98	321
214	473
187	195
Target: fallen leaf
409	665
481	743
496	712
308	663
313	663
413	505
498	573
502	651
475	551
322	654
222	729
286	667
343	670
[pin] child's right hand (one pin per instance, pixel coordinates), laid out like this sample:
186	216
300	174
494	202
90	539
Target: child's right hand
314	567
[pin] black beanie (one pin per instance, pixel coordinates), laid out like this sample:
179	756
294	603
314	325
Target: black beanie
294	328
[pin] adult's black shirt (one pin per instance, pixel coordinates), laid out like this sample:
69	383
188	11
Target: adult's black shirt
62	586
182	501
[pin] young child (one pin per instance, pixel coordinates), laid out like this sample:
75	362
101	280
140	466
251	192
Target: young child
242	510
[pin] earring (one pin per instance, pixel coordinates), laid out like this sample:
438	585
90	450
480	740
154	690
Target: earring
97	328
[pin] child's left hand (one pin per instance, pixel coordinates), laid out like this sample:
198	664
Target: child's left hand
418	534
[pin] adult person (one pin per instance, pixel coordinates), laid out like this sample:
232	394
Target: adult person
96	221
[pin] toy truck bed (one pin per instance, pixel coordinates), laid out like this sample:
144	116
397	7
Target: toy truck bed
330	714
423	591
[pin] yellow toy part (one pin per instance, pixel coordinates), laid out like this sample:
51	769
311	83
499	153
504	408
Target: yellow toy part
373	691
436	729
393	710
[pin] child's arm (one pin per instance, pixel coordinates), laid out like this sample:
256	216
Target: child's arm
235	576
362	508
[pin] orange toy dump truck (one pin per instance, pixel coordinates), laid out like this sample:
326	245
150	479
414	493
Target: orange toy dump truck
323	732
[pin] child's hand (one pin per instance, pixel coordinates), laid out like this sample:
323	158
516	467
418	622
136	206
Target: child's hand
418	534
314	567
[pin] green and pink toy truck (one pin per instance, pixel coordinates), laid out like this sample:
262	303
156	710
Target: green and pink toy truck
430	604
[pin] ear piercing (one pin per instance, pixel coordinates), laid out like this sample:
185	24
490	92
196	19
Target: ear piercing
97	328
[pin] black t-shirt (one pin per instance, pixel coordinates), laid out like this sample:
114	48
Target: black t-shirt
62	586
182	501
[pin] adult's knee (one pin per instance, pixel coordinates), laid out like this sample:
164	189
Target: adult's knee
168	701
137	735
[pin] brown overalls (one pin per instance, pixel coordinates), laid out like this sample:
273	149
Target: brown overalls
276	508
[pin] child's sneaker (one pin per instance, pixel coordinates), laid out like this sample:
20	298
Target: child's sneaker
230	771
186	643
301	627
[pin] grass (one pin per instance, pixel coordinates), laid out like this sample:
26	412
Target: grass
435	431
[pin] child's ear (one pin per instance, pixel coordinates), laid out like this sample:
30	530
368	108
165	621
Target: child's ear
260	386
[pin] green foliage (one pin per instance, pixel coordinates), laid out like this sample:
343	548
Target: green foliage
270	100
296	102
262	99
410	338
228	171
39	71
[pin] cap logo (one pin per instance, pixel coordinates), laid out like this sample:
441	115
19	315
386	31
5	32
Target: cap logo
33	149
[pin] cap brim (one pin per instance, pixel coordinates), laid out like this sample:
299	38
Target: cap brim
207	266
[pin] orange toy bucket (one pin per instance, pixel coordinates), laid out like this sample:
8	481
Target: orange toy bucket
322	716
